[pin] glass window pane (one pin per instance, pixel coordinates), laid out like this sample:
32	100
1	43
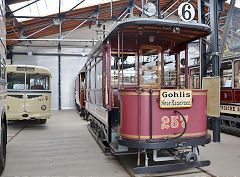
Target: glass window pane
170	72
237	73
127	69
114	69
226	74
149	66
37	82
99	75
92	79
16	81
194	78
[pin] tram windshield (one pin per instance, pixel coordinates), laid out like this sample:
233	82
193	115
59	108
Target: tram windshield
153	68
150	66
16	81
37	82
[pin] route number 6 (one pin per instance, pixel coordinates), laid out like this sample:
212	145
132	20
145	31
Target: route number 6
186	12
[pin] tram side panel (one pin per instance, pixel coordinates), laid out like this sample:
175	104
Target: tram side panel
77	96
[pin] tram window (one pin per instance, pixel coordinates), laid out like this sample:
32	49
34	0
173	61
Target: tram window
92	75
170	72
149	66
182	69
16	81
37	82
99	75
237	73
88	78
3	71
127	69
194	78
226	74
114	69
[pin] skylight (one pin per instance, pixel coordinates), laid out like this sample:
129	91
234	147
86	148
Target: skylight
48	7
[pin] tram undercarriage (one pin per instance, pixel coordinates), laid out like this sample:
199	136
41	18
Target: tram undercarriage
152	155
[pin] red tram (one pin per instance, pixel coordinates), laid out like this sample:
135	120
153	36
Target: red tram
80	92
136	100
230	93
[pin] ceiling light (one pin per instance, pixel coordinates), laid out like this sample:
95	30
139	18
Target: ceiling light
56	21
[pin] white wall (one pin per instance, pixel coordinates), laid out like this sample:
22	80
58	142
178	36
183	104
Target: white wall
70	66
50	62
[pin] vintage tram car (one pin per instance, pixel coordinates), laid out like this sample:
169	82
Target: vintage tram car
80	91
229	93
136	99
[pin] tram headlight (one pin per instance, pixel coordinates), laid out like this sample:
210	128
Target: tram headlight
43	107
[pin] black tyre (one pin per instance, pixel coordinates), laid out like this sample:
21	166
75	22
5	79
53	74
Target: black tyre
43	121
3	148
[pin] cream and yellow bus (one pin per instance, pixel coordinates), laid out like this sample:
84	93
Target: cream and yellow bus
28	93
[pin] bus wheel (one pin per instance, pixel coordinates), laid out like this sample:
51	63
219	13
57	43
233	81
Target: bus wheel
3	148
43	121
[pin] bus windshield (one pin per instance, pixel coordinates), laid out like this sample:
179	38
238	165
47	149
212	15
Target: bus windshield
37	82
16	81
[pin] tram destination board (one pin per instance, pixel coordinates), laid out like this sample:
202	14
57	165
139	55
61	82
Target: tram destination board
175	98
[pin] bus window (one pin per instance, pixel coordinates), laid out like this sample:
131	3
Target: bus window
16	81
226	74
237	73
37	82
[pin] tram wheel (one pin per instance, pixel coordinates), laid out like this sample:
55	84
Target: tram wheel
3	148
43	121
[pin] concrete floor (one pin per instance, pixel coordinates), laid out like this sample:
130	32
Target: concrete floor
64	147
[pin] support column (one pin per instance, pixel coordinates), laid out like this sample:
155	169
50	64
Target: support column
59	78
215	60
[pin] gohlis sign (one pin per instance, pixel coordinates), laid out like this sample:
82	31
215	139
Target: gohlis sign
175	98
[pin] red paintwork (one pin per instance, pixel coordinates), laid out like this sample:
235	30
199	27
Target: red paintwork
115	97
82	99
230	95
197	122
227	95
236	95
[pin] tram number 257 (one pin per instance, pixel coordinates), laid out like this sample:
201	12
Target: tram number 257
174	122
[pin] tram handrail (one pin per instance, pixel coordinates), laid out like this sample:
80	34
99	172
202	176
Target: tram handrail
185	128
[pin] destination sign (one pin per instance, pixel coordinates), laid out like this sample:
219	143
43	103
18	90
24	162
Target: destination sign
230	109
175	98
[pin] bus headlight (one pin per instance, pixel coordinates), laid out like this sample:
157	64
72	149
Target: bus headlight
43	107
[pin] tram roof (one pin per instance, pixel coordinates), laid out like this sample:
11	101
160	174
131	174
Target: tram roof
167	33
37	69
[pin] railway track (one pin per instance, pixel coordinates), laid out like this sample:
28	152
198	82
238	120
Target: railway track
19	131
131	174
